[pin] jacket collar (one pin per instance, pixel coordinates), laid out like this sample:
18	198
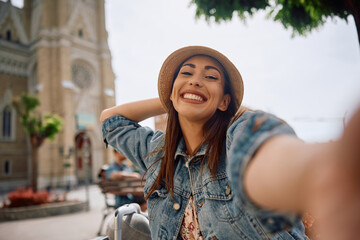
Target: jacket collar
181	150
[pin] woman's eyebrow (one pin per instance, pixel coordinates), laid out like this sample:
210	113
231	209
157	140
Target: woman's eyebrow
189	64
206	67
212	67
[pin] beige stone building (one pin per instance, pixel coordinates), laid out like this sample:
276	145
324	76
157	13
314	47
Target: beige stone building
57	50
160	122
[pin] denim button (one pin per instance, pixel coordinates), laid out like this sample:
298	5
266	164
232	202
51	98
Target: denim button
228	190
287	228
176	206
271	221
201	203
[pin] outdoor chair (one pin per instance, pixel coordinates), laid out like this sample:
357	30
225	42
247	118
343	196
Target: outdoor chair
109	188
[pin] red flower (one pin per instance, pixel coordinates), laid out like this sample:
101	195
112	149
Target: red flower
191	226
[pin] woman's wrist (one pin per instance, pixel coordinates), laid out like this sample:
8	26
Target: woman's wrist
136	111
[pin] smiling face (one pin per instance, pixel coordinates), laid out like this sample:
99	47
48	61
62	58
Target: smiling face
198	90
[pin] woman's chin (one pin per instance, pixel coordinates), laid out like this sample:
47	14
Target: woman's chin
194	116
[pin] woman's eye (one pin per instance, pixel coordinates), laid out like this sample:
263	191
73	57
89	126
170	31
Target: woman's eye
186	73
212	77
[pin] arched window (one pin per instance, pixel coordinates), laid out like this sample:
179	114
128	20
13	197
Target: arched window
7	124
7	167
8	35
33	84
80	33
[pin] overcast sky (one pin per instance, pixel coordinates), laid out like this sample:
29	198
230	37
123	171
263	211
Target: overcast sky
312	82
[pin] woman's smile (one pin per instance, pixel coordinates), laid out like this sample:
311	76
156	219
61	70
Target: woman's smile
193	97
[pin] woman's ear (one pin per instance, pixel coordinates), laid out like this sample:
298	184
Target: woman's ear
223	106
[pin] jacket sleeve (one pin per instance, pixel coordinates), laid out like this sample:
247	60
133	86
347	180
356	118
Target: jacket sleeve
132	140
244	138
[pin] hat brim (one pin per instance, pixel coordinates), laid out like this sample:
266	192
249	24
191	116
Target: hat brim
173	61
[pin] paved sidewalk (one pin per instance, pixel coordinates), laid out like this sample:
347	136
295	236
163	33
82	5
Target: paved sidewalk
76	226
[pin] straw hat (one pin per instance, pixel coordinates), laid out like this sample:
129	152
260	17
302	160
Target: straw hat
172	63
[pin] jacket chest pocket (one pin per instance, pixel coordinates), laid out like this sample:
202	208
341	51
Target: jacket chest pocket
157	201
220	201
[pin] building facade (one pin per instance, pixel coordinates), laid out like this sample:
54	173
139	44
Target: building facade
161	122
58	51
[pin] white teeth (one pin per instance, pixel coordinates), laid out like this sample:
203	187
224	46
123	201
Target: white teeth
193	97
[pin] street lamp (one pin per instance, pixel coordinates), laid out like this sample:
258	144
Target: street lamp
86	160
66	164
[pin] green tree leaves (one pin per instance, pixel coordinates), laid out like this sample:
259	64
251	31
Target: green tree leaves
300	16
33	123
52	125
224	10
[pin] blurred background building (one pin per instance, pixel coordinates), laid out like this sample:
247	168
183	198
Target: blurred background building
58	51
160	122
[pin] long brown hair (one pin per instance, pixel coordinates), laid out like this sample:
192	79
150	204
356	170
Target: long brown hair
215	134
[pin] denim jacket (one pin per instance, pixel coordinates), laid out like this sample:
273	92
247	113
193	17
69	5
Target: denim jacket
223	208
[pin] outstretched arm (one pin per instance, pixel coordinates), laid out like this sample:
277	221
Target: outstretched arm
287	174
280	175
136	111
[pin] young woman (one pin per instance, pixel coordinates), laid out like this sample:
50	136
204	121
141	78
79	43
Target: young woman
221	171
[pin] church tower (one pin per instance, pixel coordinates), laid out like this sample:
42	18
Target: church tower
58	51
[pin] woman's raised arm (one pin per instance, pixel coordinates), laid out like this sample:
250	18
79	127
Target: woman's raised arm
136	111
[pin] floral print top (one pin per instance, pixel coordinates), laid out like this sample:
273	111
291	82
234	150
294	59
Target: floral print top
190	229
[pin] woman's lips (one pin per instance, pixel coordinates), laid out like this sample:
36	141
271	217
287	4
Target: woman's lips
193	97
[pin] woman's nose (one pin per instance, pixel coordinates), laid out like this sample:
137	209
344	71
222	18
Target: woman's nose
195	81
